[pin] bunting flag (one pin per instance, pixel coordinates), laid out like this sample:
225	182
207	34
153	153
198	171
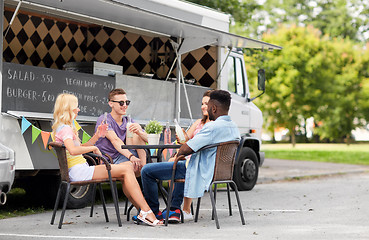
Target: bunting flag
165	154
52	136
35	132
45	137
85	137
77	126
25	124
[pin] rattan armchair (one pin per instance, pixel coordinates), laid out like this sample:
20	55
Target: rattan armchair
223	173
65	184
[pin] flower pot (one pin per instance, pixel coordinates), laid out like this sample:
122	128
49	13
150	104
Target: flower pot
153	139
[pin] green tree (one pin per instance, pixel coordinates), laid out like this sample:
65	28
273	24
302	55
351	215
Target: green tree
337	18
312	76
338	120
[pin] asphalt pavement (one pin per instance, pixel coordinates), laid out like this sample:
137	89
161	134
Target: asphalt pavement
329	201
278	170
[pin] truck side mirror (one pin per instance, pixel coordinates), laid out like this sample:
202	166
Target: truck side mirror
261	84
261	80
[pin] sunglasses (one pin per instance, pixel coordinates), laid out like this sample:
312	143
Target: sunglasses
127	102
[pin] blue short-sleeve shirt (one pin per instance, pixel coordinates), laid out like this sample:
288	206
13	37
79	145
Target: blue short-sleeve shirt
200	169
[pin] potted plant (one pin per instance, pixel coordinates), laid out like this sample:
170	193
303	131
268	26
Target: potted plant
153	130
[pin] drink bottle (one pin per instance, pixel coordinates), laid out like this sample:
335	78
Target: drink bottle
167	134
179	133
103	128
129	133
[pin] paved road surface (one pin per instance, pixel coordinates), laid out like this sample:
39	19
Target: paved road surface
334	207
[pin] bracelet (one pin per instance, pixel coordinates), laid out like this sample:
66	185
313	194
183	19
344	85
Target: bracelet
129	158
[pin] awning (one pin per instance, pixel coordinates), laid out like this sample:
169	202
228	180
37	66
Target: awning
130	16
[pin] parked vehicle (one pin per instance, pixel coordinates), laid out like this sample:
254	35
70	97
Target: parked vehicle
165	54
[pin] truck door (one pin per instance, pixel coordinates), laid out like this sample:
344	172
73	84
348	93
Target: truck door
237	85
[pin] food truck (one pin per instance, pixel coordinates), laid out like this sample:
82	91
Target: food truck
165	54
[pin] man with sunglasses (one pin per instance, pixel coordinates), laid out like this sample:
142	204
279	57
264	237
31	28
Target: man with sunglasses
117	132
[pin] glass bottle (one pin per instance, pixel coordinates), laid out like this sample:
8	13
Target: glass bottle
167	134
179	132
129	122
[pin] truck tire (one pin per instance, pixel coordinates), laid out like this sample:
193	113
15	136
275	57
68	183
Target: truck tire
246	170
79	196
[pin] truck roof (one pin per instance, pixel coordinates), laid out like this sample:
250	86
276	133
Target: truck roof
196	26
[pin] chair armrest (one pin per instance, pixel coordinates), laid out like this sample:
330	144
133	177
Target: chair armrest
178	158
216	145
91	160
106	159
54	144
208	146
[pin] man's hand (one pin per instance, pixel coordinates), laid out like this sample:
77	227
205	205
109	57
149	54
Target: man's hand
135	128
136	162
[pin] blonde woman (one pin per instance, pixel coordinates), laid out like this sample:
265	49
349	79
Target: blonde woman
65	111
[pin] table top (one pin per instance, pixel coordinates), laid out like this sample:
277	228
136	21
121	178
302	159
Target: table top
159	146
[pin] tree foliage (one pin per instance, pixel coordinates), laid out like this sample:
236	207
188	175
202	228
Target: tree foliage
313	76
323	69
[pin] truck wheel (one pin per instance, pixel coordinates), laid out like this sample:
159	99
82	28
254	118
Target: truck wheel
79	196
246	170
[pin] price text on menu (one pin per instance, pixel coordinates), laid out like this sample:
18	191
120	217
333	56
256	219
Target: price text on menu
34	89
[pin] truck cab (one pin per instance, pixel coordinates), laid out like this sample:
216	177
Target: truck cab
247	117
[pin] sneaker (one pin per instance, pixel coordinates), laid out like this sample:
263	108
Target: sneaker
159	216
136	220
174	216
187	216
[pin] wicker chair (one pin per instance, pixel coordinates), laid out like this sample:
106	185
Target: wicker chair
223	173
66	184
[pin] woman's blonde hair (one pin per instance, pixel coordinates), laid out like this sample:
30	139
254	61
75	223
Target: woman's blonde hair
63	110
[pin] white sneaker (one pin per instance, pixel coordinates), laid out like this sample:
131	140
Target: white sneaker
187	216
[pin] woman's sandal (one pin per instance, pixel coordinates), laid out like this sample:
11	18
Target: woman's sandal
142	216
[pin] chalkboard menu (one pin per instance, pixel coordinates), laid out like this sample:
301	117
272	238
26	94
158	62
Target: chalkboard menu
34	89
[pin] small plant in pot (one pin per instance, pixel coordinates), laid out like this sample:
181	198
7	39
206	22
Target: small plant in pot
153	130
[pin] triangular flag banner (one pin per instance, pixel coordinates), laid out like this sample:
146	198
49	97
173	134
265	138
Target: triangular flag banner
45	137
25	124
85	137
78	127
35	133
53	136
152	151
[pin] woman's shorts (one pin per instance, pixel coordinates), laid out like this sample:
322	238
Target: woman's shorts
81	172
121	158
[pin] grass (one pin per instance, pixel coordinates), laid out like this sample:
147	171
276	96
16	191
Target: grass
335	153
19	204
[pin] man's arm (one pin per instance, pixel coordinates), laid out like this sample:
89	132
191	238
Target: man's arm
137	129
184	150
117	143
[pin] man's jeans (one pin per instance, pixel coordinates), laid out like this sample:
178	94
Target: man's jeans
162	171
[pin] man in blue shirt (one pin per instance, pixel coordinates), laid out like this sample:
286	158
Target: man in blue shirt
200	170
